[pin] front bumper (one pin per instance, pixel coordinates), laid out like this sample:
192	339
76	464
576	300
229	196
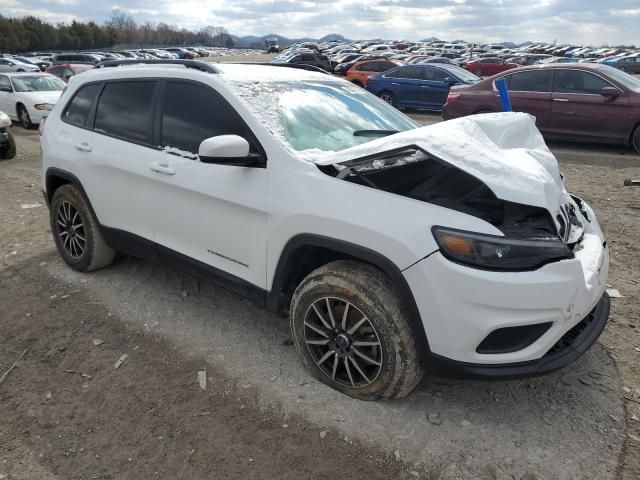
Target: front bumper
566	350
460	306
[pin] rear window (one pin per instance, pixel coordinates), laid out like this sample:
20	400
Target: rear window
78	109
124	110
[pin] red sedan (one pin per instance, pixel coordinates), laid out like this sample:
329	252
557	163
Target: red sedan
65	71
582	102
489	66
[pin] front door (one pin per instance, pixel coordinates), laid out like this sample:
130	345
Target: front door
214	214
579	110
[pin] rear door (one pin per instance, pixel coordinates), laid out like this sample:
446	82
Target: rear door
579	110
110	148
530	92
214	214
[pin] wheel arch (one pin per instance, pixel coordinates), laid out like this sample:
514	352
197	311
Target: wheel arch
305	252
55	178
634	129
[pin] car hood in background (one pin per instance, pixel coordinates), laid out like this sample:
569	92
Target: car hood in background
504	150
36	98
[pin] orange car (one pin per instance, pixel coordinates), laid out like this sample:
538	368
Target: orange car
361	71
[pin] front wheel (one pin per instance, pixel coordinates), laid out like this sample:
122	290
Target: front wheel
622	69
25	119
352	332
75	231
635	140
9	150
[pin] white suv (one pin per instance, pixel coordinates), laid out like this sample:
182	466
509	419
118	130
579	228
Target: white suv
392	248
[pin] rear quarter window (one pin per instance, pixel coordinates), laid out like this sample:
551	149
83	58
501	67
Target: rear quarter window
78	108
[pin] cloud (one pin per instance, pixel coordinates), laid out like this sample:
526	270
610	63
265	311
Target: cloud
567	21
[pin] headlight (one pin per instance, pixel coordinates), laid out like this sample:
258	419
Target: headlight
491	252
44	106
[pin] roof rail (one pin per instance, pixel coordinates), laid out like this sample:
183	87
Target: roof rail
196	64
299	66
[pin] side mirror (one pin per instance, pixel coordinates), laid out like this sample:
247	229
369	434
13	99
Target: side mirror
226	150
610	92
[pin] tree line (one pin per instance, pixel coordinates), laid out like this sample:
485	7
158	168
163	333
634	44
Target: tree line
32	34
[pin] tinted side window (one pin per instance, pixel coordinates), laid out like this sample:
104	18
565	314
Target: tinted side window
192	113
124	110
575	81
78	109
407	72
436	74
534	81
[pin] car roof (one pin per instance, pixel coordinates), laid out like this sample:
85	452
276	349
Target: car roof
26	74
233	72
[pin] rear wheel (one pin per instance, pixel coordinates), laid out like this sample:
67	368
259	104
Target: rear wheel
357	82
352	332
9	150
635	140
622	69
387	97
25	119
75	231
484	111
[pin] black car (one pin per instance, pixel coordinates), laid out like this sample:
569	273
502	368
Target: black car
314	59
347	57
341	68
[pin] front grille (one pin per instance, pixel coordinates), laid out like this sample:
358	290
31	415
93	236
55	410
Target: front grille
570	337
512	339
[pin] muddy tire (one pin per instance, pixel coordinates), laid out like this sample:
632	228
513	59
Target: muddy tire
9	151
635	139
75	231
369	352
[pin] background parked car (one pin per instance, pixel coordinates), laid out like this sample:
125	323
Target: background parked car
65	58
489	66
29	97
307	58
582	101
66	71
41	64
181	52
629	64
7	142
423	86
14	65
361	71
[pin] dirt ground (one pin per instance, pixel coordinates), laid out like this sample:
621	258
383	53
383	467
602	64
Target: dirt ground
68	413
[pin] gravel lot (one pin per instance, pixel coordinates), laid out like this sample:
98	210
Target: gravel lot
149	418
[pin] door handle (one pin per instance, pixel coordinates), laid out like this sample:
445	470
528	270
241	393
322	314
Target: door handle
162	168
83	147
394	83
561	100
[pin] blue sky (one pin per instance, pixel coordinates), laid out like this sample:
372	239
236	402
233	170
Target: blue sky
591	22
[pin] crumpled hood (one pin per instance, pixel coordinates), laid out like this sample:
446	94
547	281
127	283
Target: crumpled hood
504	150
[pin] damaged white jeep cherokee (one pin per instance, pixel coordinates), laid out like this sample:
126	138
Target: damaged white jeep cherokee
393	248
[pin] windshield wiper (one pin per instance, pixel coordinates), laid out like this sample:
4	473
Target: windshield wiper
373	133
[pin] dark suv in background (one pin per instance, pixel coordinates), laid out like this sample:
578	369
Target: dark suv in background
582	102
308	58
